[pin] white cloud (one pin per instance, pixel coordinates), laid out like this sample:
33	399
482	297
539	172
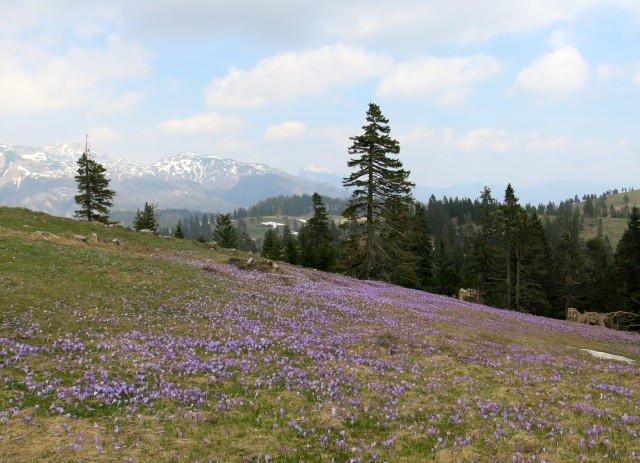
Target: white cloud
606	72
291	75
486	138
408	24
37	77
123	103
448	135
414	23
501	141
200	124
554	74
103	136
454	97
548	144
562	38
630	72
449	77
228	145
417	134
289	129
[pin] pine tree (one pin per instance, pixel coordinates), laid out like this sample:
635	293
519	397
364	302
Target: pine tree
225	232
316	240
272	245
179	233
94	196
532	261
146	219
511	212
596	269
421	247
486	251
446	279
567	255
627	265
381	192
205	228
509	255
246	243
291	246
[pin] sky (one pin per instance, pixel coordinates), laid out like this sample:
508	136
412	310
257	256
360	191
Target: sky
491	92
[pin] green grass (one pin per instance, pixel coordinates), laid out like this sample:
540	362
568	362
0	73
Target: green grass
217	363
612	228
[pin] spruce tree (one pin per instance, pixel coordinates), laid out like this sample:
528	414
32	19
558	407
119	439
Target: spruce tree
596	269
272	245
421	247
94	196
626	281
532	261
511	212
381	193
205	228
246	243
446	279
316	240
291	253
225	232
146	219
179	233
568	256
486	251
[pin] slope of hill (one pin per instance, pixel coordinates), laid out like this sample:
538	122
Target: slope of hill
43	179
612	228
162	349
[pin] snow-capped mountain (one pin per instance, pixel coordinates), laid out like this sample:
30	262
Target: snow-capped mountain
224	173
43	179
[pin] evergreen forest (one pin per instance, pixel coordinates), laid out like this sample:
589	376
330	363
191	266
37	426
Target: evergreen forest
582	253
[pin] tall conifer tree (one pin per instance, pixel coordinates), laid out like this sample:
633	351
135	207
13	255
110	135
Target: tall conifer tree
225	232
272	245
94	196
179	233
627	265
316	240
486	248
422	247
381	195
146	219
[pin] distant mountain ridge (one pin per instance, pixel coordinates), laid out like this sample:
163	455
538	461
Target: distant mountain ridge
42	178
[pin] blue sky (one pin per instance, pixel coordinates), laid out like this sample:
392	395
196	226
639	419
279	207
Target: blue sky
489	92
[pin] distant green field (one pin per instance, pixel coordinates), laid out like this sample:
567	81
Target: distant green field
158	349
613	228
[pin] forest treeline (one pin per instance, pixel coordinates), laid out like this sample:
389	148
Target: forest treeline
523	258
553	266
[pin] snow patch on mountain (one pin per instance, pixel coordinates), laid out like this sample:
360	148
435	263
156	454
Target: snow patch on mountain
42	178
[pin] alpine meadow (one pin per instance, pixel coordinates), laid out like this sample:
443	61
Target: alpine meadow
120	344
320	231
133	347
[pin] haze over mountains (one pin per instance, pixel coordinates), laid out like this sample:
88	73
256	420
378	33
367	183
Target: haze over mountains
42	178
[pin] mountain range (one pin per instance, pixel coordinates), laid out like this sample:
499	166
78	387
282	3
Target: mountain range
42	178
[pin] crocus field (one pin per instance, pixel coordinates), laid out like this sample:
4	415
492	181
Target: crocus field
164	350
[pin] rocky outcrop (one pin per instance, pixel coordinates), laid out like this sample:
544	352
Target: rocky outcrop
467	294
625	321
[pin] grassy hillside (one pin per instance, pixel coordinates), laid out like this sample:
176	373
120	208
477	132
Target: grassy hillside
166	350
612	228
